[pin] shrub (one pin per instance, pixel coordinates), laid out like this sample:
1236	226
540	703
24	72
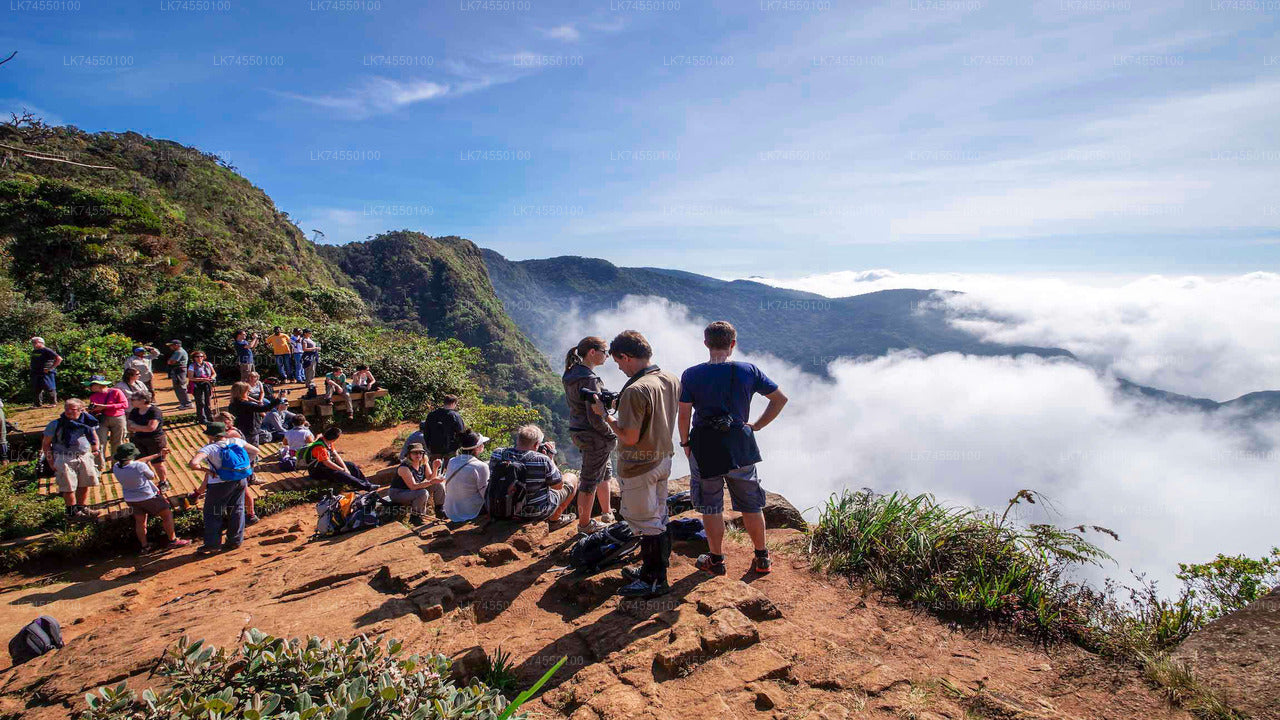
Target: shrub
270	677
1227	584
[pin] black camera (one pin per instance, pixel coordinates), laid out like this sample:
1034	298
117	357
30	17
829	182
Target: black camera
720	423
608	398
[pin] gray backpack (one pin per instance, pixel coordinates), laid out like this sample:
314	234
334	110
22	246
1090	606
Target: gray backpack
39	637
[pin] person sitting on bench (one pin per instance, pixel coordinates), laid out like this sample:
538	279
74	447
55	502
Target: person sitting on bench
324	463
335	383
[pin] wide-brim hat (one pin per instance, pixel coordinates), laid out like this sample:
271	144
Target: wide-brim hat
415	447
98	380
215	429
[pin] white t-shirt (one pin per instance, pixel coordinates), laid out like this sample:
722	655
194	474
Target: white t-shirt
468	478
135	481
298	438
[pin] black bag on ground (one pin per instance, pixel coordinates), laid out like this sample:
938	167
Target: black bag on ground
680	502
604	549
687	529
39	637
506	492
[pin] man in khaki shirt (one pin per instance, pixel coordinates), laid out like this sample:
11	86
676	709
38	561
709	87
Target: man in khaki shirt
644	425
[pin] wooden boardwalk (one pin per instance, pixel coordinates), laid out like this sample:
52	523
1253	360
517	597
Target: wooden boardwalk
185	438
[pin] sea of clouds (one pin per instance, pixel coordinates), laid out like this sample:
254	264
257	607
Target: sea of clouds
1176	486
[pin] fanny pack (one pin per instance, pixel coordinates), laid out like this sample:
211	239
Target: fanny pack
722	443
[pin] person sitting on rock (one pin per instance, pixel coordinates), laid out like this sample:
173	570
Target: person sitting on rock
324	463
144	497
466	479
547	492
414	477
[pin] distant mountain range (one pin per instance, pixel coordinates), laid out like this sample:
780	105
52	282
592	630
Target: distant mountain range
806	329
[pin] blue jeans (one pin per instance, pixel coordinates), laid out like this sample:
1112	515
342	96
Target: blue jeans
284	363
297	367
224	509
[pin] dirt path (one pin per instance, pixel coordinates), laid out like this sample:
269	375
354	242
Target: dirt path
787	645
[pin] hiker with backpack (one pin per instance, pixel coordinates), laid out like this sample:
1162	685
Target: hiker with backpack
440	433
525	484
229	422
108	404
144	497
146	433
203	377
70	447
646	418
715	405
589	432
227	463
324	463
466	479
414	477
44	371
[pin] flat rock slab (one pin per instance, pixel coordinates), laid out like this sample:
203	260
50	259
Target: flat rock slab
721	593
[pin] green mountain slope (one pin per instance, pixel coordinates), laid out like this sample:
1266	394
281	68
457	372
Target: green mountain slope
439	286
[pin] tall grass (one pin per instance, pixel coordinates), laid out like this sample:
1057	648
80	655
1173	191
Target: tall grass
964	564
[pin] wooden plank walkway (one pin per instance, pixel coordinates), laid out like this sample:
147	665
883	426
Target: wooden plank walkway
185	438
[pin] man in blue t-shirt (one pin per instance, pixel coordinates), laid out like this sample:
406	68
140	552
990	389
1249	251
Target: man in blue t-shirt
709	392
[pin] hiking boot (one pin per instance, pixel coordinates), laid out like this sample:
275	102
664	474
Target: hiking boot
252	520
706	563
564	519
417	519
208	549
608	518
761	565
632	573
644	588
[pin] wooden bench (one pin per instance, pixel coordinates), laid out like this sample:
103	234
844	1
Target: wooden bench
360	401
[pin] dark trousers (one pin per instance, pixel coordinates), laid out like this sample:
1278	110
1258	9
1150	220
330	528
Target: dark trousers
224	510
352	476
203	396
179	379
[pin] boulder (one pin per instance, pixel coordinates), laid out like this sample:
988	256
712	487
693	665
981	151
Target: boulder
1238	655
682	652
728	629
469	663
778	511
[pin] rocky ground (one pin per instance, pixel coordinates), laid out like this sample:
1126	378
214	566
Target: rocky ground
788	645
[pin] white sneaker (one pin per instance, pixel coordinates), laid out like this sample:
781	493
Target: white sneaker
608	519
591	528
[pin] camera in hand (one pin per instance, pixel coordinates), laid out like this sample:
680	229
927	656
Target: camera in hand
547	449
608	398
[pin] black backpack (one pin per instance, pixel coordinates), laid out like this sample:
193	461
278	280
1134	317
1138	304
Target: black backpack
42	635
506	492
604	549
438	432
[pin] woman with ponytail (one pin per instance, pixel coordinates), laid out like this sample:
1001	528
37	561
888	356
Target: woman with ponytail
590	434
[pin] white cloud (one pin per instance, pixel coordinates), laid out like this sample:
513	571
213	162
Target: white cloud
566	32
975	430
379	95
1208	337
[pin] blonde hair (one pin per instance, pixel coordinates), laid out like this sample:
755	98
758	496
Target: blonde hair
239	390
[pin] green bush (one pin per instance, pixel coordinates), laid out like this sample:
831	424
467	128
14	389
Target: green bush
270	677
1228	583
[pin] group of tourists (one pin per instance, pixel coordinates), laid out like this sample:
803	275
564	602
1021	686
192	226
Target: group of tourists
440	468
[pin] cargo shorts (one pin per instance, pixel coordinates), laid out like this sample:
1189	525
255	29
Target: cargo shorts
595	449
707	494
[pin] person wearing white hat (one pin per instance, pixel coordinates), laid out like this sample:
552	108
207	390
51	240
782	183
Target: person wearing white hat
466	478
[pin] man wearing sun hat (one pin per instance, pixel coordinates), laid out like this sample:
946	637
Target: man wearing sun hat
227	465
466	479
108	404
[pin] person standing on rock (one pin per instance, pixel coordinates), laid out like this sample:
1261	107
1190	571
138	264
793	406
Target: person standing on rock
715	403
644	425
44	371
589	432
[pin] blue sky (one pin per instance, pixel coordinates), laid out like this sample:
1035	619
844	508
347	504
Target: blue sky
728	138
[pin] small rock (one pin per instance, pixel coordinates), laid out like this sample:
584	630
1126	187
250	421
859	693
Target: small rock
757	663
131	592
769	696
619	701
431	612
469	662
683	652
832	711
882	678
272	531
728	629
280	540
498	554
295	528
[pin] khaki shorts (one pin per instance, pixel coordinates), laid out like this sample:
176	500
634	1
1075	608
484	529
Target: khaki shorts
644	500
569	486
75	471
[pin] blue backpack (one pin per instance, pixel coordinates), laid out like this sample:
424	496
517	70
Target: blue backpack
233	463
